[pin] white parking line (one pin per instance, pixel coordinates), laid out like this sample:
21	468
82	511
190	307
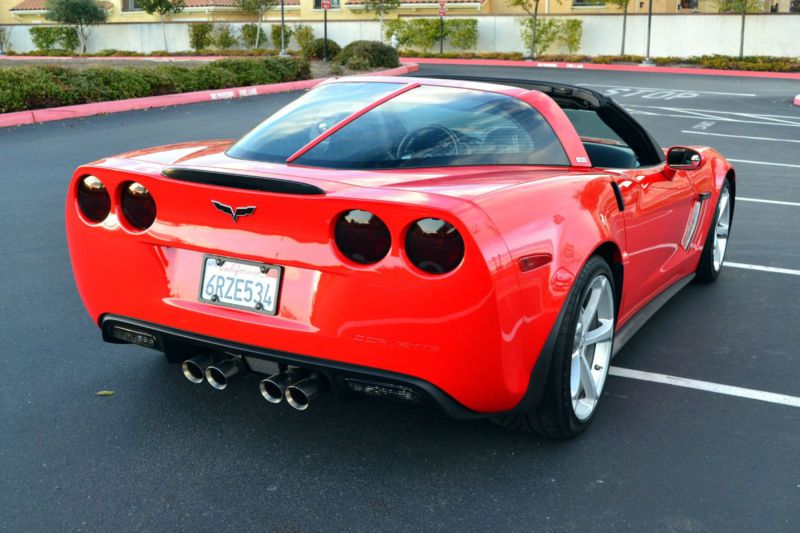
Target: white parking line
771	397
767	163
713	114
662	89
761	201
740	136
774	270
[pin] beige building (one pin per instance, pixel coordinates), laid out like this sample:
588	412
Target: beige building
126	11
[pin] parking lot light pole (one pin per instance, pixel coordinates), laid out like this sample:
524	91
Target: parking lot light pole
647	59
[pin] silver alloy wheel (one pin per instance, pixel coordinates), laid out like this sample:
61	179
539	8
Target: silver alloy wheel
722	229
591	354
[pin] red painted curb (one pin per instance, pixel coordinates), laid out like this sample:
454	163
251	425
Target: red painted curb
86	110
597	66
122	58
797	100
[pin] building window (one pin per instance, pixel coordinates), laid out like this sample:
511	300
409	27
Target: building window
131	5
687	4
588	3
318	4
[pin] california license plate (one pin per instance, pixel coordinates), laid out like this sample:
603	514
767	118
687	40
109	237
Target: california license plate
240	284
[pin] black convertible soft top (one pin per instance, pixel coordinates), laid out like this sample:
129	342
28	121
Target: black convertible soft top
572	97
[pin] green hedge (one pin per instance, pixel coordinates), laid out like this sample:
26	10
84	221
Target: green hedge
424	33
35	87
362	55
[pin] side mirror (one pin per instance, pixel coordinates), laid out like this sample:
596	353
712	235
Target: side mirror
682	158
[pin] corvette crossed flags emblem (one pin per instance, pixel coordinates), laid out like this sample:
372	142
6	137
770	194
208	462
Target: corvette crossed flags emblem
234	212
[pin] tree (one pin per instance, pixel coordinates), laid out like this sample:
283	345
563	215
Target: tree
258	8
162	7
381	8
531	7
82	14
744	7
623	5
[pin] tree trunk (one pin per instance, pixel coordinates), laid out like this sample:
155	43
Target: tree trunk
164	33
258	28
533	31
741	37
624	23
381	17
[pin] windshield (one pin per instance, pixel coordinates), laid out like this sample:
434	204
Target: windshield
424	127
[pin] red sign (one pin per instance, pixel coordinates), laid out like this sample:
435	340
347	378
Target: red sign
326	4
442	8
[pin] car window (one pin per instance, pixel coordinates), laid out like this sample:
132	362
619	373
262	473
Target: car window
291	128
603	145
442	126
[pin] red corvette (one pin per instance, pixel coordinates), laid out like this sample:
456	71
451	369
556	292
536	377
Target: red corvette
486	247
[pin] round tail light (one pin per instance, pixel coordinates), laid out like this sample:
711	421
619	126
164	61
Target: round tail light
362	237
138	206
93	199
434	246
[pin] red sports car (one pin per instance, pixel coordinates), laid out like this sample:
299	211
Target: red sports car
486	247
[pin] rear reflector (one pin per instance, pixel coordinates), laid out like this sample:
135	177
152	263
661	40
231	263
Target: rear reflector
531	262
383	390
134	337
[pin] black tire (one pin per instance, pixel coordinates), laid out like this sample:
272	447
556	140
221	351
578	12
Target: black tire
706	272
554	416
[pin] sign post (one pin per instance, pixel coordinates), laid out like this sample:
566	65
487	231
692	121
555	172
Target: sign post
326	5
442	13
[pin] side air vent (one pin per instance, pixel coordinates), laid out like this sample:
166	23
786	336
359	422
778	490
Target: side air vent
240	181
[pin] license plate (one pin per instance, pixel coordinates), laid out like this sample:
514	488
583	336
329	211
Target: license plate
240	284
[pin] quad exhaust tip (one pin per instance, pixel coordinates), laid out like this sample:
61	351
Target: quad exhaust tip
300	394
220	374
274	387
194	369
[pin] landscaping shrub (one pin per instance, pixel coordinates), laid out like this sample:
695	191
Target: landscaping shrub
304	35
34	87
47	38
461	34
225	36
373	53
200	35
514	56
547	31
571	34
276	35
249	34
317	49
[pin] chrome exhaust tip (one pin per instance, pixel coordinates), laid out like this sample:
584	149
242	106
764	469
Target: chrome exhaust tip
220	374
194	369
274	387
300	394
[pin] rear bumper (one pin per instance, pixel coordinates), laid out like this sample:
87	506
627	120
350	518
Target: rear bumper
338	374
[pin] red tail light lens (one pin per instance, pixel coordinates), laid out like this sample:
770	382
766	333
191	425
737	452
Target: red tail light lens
93	199
138	206
362	237
434	246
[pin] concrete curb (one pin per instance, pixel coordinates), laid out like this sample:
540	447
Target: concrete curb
166	59
797	100
20	118
596	66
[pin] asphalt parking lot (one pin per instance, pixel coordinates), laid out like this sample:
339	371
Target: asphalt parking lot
163	454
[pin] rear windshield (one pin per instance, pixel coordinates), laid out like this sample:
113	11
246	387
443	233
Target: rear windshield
424	127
